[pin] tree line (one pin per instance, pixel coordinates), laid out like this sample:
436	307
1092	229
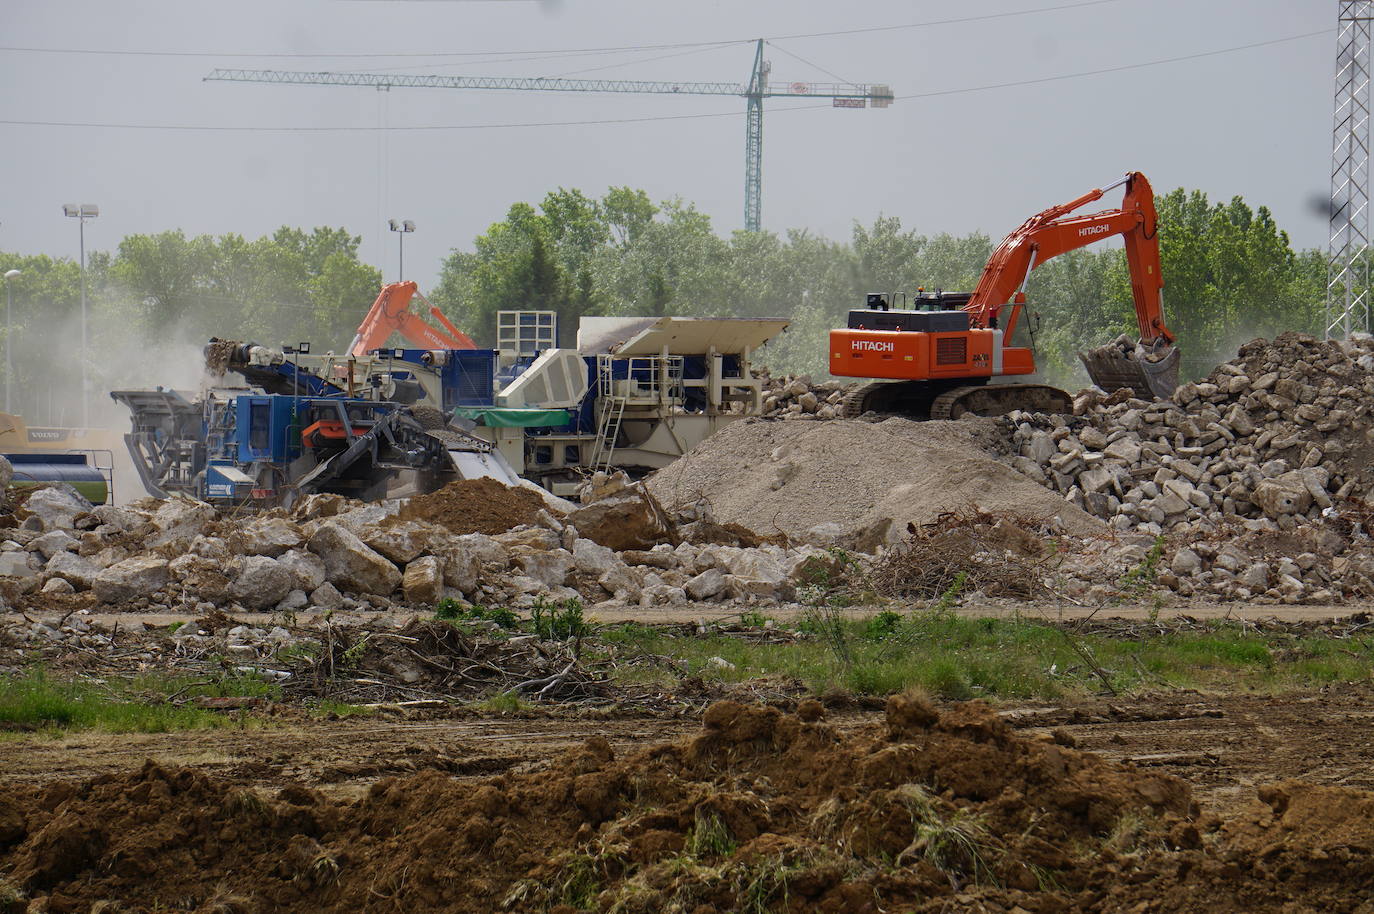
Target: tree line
1230	274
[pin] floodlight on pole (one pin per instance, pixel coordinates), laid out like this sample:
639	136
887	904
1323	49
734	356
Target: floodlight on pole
82	212
403	227
9	332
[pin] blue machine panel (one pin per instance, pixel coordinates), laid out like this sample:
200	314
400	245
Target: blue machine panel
263	424
469	378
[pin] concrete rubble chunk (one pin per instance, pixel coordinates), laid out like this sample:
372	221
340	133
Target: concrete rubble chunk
401	542
551	568
423	580
53	542
15	565
134	577
270	536
57	586
1281	498
1123	449
706	585
350	564
72	568
56	506
631	520
1255	576
326	596
460	559
307	570
594	559
178	520
1185	563
261	582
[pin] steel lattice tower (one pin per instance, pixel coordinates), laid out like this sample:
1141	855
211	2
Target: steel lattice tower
1347	274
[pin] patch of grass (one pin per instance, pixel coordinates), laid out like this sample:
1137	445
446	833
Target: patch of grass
753	618
452	611
503	703
958	844
33	701
709	837
956	657
328	707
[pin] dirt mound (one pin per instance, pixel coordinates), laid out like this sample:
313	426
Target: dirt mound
793	476
759	810
476	506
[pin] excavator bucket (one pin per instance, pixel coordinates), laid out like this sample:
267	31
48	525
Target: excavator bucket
1151	371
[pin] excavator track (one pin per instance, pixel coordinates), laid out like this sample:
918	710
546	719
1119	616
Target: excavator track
1000	399
925	400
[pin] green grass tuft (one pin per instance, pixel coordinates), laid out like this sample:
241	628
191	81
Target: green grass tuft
35	702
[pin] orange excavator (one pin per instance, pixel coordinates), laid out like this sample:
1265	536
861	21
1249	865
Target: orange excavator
391	313
938	351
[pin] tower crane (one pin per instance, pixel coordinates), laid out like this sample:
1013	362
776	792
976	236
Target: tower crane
754	92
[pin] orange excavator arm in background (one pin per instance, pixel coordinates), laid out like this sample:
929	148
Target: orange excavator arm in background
1053	232
390	313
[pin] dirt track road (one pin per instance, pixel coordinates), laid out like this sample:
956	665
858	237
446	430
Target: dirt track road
715	612
1223	745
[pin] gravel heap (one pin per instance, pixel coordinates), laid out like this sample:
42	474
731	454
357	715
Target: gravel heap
856	483
797	396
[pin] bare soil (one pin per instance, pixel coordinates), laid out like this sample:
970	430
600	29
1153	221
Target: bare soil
1247	803
480	505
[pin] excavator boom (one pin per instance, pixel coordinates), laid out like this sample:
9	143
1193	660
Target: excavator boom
1151	365
390	313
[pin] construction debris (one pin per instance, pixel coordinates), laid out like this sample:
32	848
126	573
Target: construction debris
180	555
1257	472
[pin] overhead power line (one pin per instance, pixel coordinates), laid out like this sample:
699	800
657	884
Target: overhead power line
213	128
929	23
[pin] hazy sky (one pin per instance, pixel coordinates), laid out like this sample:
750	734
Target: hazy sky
1253	122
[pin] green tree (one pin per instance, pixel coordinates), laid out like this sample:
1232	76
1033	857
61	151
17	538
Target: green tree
626	212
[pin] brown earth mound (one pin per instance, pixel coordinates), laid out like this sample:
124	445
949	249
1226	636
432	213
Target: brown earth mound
791	476
476	506
761	810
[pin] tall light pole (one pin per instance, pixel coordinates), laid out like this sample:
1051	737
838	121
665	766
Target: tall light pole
9	331
82	213
402	227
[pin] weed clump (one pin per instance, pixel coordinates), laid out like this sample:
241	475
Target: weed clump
999	555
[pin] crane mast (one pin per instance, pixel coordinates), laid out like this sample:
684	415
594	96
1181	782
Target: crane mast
843	95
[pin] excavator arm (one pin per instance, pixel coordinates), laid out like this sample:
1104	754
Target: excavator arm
1152	364
390	313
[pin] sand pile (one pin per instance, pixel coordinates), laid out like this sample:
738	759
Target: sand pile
794	476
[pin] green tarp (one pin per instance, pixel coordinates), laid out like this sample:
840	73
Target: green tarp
498	417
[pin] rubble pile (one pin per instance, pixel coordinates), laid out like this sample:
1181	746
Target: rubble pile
1275	442
1274	436
331	553
798	397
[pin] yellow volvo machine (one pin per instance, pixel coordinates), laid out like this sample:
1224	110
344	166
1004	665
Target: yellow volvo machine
81	457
